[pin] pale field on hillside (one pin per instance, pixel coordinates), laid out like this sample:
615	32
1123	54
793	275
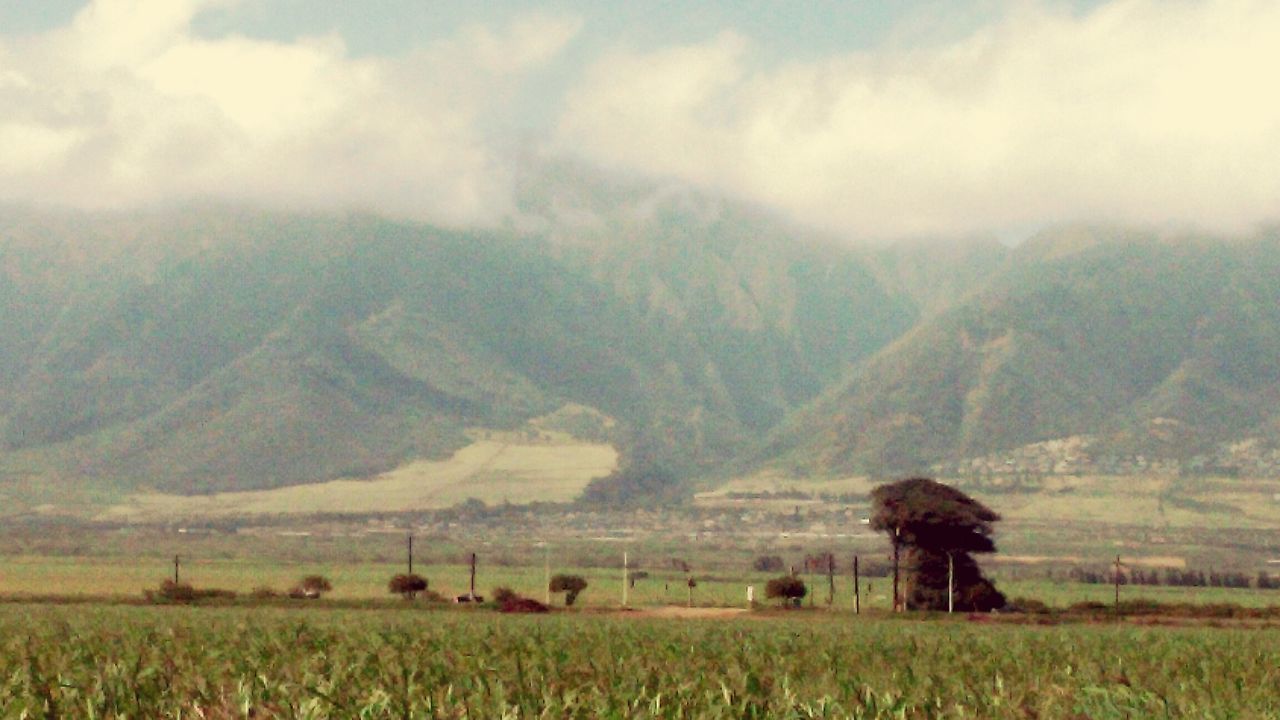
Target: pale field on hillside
492	470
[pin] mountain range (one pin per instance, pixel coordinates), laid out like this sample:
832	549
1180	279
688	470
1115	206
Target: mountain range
208	348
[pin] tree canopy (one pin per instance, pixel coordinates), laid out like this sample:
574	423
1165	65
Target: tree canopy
940	527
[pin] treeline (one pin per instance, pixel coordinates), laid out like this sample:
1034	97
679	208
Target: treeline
820	563
1176	578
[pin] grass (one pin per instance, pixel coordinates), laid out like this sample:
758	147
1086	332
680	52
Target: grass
122	577
271	662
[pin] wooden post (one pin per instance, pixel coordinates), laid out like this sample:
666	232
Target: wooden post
690	583
857	593
176	563
808	571
831	579
896	552
626	577
1117	581
410	553
473	576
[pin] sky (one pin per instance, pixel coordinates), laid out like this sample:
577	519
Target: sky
870	120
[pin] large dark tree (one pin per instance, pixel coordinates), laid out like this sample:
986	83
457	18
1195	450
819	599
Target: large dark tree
938	527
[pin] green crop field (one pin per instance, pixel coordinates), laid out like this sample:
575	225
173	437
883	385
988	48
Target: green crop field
114	662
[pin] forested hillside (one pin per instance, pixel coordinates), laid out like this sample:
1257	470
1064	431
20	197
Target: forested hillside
1159	347
209	348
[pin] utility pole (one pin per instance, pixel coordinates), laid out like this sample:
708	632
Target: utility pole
473	577
857	594
176	563
410	553
626	577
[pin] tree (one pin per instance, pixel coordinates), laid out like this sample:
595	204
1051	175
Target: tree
570	585
788	588
940	528
407	585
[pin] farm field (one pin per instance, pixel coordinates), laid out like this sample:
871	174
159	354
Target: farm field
127	578
269	662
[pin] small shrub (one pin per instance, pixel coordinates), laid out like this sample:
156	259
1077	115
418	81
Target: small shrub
407	585
570	585
786	588
768	563
171	591
519	604
180	592
1030	606
504	594
311	587
263	592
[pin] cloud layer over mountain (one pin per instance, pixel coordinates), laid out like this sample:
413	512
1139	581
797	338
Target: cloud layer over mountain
126	105
1132	111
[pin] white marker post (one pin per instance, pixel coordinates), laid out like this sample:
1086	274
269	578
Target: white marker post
546	566
951	583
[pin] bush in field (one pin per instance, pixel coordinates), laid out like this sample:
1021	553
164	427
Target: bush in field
787	588
1030	606
768	563
570	585
407	585
509	601
180	592
311	587
171	591
263	592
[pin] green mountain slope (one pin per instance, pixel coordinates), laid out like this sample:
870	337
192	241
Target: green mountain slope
1158	347
220	349
778	312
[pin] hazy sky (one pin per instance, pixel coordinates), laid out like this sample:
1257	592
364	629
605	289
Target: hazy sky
869	119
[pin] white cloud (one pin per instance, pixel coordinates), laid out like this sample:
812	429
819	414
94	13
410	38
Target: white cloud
127	106
1141	111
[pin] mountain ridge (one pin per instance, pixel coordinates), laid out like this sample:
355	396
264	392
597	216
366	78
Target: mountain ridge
211	349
